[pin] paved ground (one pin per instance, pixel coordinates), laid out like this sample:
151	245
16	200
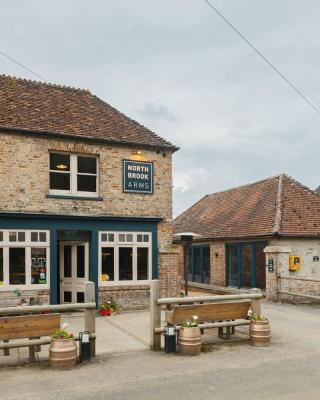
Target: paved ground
289	369
122	332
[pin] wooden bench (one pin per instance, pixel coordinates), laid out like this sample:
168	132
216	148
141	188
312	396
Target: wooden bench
210	312
231	309
28	326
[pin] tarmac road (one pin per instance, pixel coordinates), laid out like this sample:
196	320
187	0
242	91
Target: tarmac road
289	369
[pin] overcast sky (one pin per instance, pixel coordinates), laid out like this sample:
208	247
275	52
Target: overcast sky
176	67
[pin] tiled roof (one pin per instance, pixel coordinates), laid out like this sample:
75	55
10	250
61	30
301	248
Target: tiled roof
52	109
278	205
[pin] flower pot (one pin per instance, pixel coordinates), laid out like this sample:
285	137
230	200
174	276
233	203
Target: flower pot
63	353
105	313
260	333
190	341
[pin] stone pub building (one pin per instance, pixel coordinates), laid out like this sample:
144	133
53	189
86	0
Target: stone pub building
86	194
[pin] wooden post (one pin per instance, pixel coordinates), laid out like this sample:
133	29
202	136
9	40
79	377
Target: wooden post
6	352
90	315
155	315
256	303
32	353
89	295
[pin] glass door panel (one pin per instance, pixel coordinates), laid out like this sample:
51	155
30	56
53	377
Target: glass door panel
190	275
233	265
206	274
80	261
125	264
197	265
67	262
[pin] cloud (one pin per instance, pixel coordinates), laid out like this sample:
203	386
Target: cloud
155	112
177	68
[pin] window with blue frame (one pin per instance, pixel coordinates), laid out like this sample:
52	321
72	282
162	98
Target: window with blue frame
245	264
199	264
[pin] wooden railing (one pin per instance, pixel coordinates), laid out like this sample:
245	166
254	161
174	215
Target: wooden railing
295	294
89	321
156	303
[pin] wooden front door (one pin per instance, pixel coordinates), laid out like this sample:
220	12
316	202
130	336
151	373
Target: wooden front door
74	271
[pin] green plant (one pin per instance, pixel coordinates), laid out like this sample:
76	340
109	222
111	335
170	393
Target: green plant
62	333
110	305
258	318
191	323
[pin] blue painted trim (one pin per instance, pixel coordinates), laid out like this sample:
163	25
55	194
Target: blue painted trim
201	265
253	264
155	267
239	261
76	224
202	247
239	265
189	255
83	224
93	263
78	217
53	267
227	265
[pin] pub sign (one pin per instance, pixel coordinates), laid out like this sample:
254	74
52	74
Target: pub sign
137	177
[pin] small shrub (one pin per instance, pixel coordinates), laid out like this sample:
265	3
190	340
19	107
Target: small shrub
258	318
62	333
191	323
110	305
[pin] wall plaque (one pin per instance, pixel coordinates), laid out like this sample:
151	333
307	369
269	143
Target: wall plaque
137	177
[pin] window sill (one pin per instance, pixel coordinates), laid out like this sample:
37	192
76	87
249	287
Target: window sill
32	288
69	197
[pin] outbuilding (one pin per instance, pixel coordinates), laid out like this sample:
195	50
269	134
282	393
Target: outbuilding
86	194
262	235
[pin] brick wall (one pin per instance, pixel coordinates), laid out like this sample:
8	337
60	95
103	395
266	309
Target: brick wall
280	250
168	272
218	263
24	187
24	182
128	297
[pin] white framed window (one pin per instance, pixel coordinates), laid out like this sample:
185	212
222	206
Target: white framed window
124	258
24	259
73	174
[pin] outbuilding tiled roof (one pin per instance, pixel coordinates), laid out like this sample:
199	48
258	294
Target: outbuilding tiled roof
274	206
37	107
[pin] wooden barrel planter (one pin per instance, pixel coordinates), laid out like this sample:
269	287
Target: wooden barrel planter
190	341
260	333
63	353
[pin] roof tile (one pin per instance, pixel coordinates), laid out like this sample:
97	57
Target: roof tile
40	107
277	205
